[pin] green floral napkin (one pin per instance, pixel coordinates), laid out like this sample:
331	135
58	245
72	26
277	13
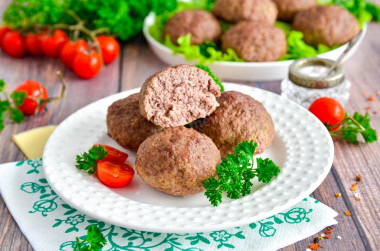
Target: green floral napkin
51	224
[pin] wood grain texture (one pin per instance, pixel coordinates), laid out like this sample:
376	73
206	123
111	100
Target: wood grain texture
137	62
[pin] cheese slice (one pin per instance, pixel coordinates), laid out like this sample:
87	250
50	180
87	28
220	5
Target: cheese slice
32	142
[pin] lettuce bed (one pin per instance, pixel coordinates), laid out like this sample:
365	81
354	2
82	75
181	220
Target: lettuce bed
209	52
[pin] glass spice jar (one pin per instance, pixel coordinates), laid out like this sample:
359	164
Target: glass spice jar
308	80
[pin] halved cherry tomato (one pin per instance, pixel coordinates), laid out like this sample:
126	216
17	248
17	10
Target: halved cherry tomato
114	154
87	65
3	30
32	44
110	48
34	90
327	110
70	49
114	174
52	45
14	44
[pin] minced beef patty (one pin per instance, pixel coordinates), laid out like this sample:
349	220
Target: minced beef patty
330	25
178	95
253	10
202	26
255	41
288	8
126	125
177	161
238	118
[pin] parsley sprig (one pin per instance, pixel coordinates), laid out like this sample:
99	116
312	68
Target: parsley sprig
94	240
351	127
236	172
88	161
8	105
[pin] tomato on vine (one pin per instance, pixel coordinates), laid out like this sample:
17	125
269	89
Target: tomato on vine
328	110
3	30
32	44
51	45
13	44
34	92
109	47
69	51
87	64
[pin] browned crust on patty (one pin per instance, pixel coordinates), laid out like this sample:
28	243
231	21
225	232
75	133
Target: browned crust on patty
126	125
255	41
202	26
238	118
330	25
178	95
252	10
177	161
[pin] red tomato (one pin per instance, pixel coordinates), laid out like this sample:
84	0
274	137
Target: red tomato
3	30
52	44
114	154
34	90
110	48
32	44
14	44
113	174
327	110
87	65
70	49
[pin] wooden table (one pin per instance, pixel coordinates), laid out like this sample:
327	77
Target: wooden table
137	62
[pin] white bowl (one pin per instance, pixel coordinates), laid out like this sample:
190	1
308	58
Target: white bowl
239	71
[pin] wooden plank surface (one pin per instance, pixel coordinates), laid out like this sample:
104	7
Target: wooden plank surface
137	62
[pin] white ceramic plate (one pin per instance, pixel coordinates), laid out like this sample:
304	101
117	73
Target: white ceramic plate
302	148
239	71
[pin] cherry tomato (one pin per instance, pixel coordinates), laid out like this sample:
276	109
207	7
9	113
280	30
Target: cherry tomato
327	110
14	44
3	30
34	90
52	44
32	44
70	49
114	174
114	154
87	65
110	48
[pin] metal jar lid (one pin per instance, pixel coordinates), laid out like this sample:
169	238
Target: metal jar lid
316	82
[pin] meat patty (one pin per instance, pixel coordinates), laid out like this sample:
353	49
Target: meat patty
253	10
288	8
178	95
330	25
255	41
202	26
238	118
126	125
177	161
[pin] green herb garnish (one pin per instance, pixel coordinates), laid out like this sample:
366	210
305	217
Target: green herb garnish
124	19
87	161
212	75
94	241
350	127
8	105
236	171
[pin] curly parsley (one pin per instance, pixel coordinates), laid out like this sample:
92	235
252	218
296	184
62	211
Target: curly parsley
88	161
94	241
8	105
236	171
351	127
